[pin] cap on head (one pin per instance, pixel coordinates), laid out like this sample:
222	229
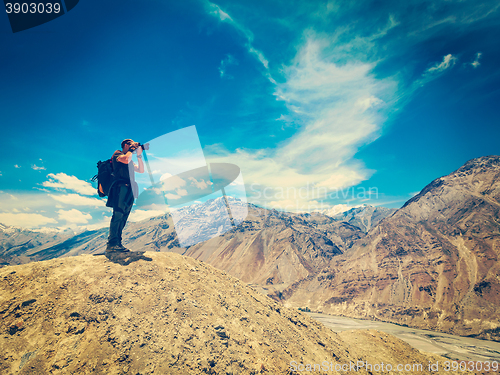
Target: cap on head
126	141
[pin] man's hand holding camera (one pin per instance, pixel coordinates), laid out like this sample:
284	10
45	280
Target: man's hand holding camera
138	148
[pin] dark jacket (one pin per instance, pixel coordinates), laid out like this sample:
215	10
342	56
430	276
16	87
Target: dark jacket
113	195
121	174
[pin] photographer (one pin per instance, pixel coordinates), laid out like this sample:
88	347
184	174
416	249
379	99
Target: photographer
123	190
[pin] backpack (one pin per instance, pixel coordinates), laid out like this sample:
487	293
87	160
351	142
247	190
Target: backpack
104	177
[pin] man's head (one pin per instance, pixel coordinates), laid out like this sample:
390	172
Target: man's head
126	142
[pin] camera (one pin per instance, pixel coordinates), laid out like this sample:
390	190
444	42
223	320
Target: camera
144	146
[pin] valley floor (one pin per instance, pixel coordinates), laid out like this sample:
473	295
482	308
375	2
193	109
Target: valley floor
453	347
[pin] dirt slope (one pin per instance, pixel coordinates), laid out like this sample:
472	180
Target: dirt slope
159	313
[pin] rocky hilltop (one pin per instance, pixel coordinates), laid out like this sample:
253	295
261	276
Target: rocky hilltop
433	264
163	313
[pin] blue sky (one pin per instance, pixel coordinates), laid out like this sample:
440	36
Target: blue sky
319	103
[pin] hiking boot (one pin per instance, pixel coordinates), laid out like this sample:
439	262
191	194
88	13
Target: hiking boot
117	248
123	248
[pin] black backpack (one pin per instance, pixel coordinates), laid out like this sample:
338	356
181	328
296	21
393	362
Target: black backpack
104	177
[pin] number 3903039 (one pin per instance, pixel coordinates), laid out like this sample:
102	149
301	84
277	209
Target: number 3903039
33	8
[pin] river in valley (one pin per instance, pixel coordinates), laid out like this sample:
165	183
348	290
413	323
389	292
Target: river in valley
453	347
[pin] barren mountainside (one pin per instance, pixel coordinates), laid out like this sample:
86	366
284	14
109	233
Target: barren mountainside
365	217
269	248
16	243
275	249
432	264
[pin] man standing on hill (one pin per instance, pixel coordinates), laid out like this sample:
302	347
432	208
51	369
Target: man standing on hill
122	192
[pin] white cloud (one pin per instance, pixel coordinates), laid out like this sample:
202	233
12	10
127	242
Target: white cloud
138	215
448	62
64	181
164	176
199	184
367	103
476	62
217	12
77	200
340	108
17	166
25	220
33	166
33	202
181	192
172	196
74	216
172	183
101	224
229	60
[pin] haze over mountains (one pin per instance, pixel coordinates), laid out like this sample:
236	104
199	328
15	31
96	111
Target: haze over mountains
431	264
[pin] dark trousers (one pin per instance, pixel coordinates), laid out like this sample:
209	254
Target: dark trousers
121	210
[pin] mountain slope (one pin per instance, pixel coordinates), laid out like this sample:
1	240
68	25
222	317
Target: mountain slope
432	264
273	248
269	248
365	217
163	314
16	243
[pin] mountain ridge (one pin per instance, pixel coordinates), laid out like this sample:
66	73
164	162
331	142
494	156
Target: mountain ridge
433	264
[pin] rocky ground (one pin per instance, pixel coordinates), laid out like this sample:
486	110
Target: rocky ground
163	313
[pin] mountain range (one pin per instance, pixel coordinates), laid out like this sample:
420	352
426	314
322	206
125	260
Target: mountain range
431	264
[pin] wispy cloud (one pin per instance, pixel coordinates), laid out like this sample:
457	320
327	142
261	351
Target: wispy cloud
430	74
340	107
64	181
216	11
447	63
228	60
17	166
36	168
334	99
476	62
